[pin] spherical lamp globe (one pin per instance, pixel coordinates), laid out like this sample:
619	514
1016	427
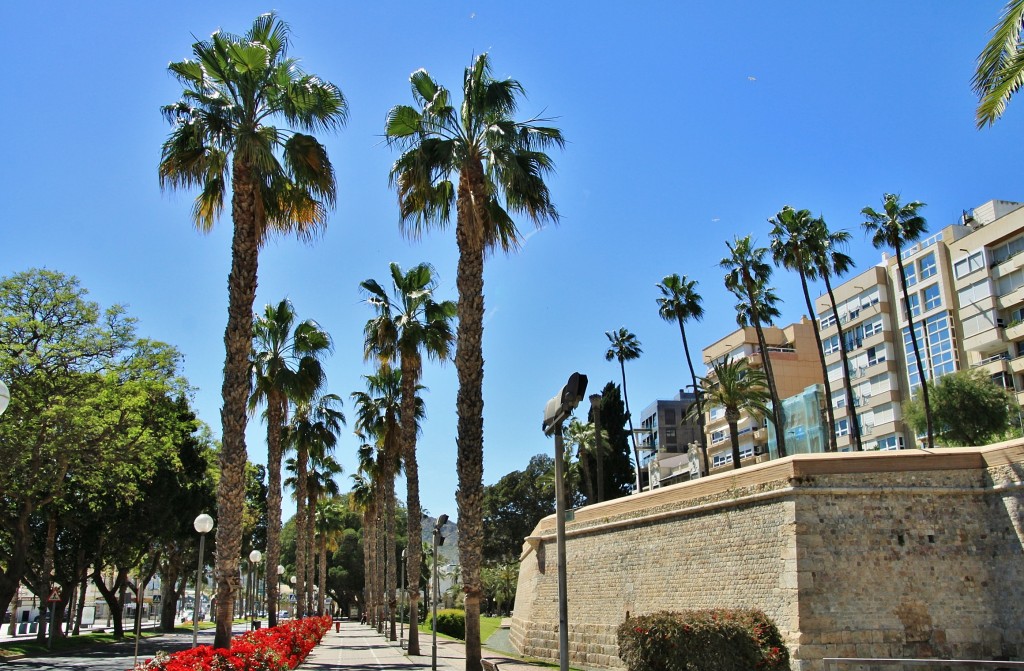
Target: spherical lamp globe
203	524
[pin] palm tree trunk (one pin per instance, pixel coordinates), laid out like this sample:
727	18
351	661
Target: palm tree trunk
469	366
599	450
410	376
321	602
851	408
311	552
705	467
235	393
833	447
917	349
391	576
629	419
766	359
276	408
734	438
301	528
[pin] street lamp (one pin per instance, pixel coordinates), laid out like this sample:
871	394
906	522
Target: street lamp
401	607
203	525
438	540
277	592
556	411
254	557
293	599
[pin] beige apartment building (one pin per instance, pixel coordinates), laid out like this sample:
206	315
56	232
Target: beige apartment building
796	365
966	295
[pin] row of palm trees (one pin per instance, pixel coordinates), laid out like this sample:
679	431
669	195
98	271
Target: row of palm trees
802	243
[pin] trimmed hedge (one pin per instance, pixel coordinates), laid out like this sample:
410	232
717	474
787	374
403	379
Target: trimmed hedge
452	622
704	640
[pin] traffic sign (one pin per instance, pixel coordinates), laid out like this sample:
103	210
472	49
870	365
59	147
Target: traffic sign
291	597
54	595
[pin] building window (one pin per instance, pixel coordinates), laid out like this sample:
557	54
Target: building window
890	443
717	437
910	273
873	327
914	301
842	427
721	459
927	265
938	351
932	297
974	292
830	345
876	354
968	264
828	320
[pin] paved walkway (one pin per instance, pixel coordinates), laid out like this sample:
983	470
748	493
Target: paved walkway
360	647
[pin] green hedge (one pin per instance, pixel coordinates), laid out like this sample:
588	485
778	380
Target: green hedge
452	622
704	640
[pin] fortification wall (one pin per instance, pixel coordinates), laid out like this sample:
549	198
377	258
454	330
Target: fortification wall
899	554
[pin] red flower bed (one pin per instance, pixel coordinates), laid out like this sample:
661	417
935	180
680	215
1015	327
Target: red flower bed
277	649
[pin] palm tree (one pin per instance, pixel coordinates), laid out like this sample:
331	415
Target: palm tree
1000	69
747	278
828	262
496	159
364	496
895	227
286	365
330	523
281	181
579	438
323	469
378	412
680	302
791	249
409	322
736	387
625	347
314	428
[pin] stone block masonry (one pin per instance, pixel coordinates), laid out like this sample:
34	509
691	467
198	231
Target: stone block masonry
892	554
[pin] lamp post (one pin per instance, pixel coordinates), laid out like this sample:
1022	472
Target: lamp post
254	558
277	594
438	540
203	525
556	411
293	600
401	607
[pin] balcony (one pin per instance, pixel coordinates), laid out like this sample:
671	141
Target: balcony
984	340
1017	365
993	365
1010	300
1015	331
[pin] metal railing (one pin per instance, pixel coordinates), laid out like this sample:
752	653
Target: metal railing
832	662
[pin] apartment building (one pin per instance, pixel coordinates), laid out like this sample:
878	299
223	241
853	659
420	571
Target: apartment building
965	292
796	365
665	437
866	310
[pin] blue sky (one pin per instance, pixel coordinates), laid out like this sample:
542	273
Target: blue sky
688	123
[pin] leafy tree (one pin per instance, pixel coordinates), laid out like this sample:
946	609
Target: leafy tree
625	347
1000	70
409	323
281	181
896	227
791	247
736	387
617	471
514	505
680	302
501	164
968	408
286	367
828	262
747	278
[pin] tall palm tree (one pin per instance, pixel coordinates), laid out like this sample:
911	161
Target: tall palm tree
747	278
324	468
364	495
828	262
1000	71
378	412
281	181
736	387
680	302
579	438
314	428
286	365
501	165
330	523
625	347
895	227
409	322
791	249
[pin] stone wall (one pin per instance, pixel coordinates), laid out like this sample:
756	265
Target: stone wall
898	554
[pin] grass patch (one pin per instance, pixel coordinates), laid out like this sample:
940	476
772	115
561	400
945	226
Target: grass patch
488	625
30	648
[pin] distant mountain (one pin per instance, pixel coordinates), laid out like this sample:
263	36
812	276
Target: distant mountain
449	551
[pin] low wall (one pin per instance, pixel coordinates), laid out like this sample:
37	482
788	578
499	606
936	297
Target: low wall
892	554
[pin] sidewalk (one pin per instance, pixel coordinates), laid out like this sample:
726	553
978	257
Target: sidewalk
359	646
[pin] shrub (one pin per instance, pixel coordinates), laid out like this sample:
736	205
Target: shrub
704	640
452	622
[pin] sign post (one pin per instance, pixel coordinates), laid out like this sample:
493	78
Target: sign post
53	600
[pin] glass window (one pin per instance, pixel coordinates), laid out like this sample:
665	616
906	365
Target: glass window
932	298
915	305
876	355
830	345
890	443
927	266
842	427
828	320
910	273
968	264
873	327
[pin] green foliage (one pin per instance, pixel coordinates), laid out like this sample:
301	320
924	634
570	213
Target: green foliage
514	505
618	469
709	640
967	409
452	622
